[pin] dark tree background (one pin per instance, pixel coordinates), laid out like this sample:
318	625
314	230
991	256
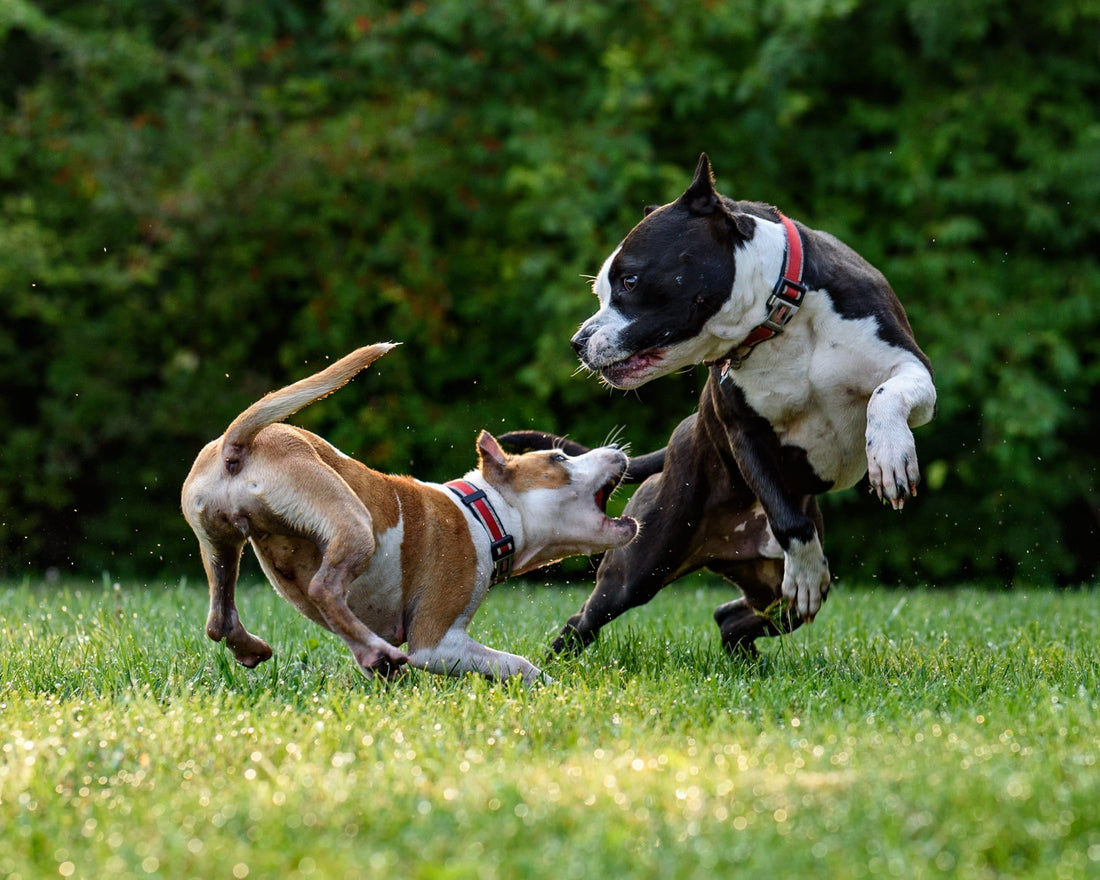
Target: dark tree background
202	201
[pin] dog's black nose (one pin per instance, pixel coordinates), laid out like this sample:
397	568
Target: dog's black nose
579	340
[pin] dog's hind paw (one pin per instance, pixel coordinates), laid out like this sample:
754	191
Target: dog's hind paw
248	650
384	663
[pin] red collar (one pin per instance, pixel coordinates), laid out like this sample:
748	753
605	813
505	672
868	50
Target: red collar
781	304
503	545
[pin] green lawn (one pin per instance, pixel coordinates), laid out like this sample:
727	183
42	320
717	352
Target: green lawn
904	734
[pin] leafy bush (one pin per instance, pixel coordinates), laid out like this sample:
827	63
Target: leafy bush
204	202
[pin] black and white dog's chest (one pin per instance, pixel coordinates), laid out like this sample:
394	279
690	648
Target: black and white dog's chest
813	384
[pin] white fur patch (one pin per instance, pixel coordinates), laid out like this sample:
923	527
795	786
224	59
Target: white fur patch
805	577
602	286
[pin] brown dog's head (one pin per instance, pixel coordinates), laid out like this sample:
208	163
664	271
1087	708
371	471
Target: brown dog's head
561	499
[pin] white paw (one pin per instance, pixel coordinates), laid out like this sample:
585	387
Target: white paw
892	462
805	577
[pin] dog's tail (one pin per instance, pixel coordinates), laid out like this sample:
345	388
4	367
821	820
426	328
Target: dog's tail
639	468
282	404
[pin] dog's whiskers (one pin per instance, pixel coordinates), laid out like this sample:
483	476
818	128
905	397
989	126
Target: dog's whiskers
613	438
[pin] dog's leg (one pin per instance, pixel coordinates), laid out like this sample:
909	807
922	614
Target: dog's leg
741	625
751	564
222	565
457	653
320	503
906	400
755	448
328	591
760	611
668	508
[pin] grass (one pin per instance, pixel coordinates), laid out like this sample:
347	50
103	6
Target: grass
908	734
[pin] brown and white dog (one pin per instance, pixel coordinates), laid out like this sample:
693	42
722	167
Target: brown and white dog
383	560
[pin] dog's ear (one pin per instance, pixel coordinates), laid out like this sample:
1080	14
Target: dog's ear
702	200
649	209
701	197
743	224
491	459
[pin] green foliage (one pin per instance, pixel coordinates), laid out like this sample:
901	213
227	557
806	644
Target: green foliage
201	203
905	733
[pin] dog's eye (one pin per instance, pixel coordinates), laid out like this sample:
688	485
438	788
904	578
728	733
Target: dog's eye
558	456
629	282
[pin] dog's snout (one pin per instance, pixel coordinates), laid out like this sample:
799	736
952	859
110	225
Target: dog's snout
579	341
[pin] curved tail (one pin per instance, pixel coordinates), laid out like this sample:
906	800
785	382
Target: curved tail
282	404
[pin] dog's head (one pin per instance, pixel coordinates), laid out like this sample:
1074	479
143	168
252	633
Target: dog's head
667	293
561	499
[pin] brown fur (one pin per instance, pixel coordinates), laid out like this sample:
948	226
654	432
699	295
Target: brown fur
541	472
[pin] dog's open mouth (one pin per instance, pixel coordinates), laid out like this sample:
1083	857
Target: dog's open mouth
615	530
603	494
634	370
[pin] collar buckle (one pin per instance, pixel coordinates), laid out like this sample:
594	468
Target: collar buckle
782	306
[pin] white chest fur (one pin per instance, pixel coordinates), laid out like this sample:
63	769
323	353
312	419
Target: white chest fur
814	382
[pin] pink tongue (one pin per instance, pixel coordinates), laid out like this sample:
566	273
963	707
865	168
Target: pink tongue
601	499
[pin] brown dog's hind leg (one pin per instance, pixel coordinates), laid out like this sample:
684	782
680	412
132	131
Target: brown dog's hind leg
222	566
328	590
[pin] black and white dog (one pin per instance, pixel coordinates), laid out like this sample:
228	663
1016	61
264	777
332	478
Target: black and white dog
815	379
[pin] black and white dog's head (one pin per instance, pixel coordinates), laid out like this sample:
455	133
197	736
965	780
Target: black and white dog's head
679	288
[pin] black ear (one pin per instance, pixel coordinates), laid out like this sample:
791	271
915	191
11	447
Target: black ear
649	209
701	198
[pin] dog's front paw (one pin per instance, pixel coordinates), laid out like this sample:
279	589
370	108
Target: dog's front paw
892	463
805	577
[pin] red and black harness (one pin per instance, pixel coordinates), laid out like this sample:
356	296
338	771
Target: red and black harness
502	545
786	299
